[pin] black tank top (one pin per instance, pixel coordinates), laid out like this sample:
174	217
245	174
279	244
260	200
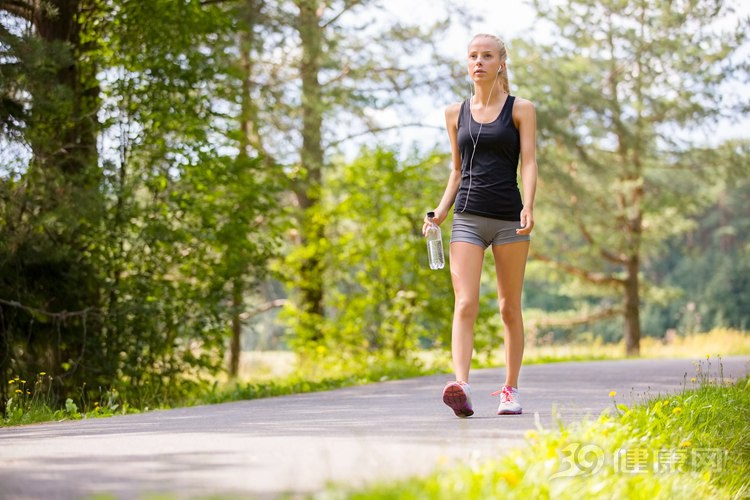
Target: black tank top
494	186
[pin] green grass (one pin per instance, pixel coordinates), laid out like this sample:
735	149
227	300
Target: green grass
693	444
34	403
379	371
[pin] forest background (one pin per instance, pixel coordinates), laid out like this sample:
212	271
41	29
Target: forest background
181	179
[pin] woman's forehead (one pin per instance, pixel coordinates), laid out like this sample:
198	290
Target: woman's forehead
483	44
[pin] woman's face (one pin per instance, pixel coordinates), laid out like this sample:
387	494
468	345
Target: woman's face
484	59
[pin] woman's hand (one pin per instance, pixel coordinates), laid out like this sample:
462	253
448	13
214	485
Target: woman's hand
438	219
527	221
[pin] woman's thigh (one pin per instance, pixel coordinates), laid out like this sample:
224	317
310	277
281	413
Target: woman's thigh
510	266
466	270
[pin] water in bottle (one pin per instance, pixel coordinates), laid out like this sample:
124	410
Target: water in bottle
434	244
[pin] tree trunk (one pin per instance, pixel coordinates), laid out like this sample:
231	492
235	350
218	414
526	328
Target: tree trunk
248	136
236	344
632	309
64	175
311	156
74	151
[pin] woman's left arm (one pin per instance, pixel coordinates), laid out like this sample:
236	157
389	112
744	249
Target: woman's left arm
525	118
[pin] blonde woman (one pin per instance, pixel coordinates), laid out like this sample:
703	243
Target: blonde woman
488	133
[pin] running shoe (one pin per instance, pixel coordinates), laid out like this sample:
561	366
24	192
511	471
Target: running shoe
457	395
510	403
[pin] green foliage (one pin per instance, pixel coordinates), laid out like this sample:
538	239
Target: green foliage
708	267
619	103
381	294
141	242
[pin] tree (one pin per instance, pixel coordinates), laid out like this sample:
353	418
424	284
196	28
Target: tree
201	202
616	94
383	296
49	104
342	78
124	261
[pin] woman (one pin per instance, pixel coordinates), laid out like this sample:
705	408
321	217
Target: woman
488	133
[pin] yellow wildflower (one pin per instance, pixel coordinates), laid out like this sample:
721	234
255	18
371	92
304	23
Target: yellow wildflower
11	381
692	380
677	410
42	373
612	394
19	391
686	443
510	477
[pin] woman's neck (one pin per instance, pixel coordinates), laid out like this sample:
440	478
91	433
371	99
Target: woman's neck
488	94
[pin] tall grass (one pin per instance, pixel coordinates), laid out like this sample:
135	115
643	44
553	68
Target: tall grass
35	402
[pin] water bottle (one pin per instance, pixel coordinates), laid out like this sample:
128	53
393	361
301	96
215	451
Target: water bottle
434	244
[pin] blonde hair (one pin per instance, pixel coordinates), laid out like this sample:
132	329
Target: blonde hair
503	55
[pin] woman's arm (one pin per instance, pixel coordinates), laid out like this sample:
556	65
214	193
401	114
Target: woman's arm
454	180
524	115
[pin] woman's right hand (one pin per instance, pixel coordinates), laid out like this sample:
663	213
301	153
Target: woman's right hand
437	220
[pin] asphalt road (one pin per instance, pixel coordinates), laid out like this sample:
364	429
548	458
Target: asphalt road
297	444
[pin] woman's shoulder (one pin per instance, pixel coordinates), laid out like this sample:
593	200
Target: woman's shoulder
451	114
522	105
453	108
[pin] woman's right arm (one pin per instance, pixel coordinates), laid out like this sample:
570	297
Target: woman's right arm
454	181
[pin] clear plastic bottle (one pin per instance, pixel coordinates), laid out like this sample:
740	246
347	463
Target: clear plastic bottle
434	244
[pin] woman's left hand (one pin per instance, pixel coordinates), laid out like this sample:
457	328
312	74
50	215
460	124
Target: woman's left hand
527	221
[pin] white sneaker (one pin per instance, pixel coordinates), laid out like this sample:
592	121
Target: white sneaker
457	395
510	403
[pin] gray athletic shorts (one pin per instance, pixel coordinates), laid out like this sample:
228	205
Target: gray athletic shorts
484	231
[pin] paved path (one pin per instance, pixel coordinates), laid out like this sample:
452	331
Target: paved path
295	444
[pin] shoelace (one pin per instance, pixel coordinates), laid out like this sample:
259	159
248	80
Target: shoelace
506	396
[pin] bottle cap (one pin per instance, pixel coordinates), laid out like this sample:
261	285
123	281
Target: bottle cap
431	215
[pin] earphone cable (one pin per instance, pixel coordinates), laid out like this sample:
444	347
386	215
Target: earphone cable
475	142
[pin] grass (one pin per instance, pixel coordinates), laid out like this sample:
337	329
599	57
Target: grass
34	402
717	342
293	383
687	445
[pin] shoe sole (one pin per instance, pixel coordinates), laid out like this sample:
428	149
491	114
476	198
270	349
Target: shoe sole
455	398
506	412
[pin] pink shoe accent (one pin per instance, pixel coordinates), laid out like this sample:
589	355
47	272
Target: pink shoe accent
509	401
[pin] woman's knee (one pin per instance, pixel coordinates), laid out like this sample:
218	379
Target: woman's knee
466	307
510	311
